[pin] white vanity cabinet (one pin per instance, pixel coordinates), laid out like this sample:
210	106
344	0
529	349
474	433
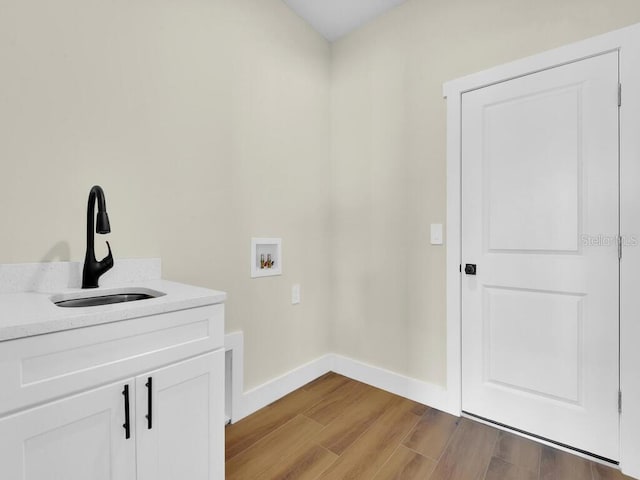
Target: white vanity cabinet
185	436
141	399
75	438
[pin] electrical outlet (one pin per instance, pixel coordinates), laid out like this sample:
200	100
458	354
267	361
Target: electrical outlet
295	294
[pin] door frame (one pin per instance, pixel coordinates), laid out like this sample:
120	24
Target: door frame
627	42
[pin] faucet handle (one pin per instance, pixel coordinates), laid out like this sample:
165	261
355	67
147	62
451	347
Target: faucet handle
107	262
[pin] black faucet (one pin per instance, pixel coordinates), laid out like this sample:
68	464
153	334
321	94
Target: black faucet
93	268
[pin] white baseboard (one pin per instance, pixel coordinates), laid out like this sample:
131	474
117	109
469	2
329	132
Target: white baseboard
261	396
426	393
246	403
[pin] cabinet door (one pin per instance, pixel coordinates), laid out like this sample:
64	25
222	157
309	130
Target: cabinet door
184	438
76	438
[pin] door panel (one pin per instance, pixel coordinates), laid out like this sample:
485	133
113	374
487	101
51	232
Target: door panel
540	221
186	438
528	334
77	438
532	171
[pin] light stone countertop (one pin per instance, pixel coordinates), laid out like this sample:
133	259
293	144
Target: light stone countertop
29	313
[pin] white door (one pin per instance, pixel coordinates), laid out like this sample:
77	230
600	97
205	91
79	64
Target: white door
540	222
77	438
184	438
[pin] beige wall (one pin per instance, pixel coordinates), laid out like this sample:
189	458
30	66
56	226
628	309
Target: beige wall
211	122
206	122
388	158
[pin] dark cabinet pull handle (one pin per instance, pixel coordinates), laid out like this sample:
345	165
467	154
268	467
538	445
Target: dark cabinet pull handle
126	425
149	414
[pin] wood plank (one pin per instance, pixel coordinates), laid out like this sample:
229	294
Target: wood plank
519	451
501	470
241	435
331	406
367	454
602	472
273	448
318	380
419	409
468	454
246	432
405	464
306	464
432	433
326	384
353	421
559	465
373	434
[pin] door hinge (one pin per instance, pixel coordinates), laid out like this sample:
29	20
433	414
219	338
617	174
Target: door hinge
619	401
619	247
619	94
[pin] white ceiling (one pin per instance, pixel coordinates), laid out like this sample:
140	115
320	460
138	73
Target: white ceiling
335	18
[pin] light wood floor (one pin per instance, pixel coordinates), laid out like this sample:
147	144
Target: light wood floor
337	428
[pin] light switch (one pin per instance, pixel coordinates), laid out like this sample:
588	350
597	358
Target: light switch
436	234
295	294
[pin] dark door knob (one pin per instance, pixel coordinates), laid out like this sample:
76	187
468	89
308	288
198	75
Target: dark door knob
470	269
